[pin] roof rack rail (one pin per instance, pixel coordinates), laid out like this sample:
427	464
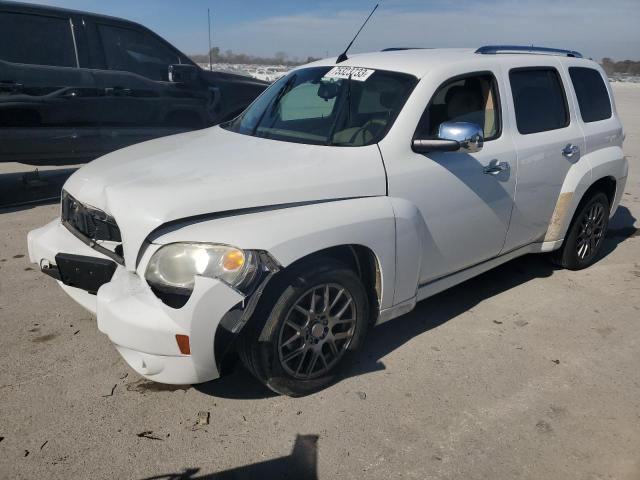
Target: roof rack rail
396	49
493	49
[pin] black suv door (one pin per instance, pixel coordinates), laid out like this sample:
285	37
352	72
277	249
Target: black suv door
139	102
47	102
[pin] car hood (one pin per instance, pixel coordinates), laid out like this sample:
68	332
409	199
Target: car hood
213	170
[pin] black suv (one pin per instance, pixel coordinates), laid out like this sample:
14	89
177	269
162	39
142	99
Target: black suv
75	85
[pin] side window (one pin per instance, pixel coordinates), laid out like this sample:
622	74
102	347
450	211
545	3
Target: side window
302	103
36	40
472	98
593	98
137	52
539	100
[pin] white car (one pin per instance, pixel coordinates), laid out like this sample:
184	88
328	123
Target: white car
342	196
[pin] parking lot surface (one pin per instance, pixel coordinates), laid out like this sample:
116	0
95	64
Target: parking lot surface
524	372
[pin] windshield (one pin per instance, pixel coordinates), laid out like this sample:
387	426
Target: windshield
342	106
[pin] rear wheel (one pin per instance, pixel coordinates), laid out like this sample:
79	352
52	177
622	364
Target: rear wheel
317	315
586	234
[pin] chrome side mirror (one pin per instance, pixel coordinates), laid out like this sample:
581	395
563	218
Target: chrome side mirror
469	135
452	137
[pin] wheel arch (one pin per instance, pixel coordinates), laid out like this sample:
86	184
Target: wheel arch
361	259
569	203
600	170
607	185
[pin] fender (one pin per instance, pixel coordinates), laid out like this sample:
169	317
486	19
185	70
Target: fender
289	234
611	162
412	239
590	168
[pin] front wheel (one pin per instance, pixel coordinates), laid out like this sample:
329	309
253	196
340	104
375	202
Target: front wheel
586	234
317	316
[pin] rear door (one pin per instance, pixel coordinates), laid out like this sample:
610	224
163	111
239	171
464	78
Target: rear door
47	102
139	102
548	141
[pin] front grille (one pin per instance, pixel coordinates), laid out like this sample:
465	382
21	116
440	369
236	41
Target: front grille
90	222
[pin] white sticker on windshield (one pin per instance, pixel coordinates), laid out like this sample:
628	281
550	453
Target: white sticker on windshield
356	73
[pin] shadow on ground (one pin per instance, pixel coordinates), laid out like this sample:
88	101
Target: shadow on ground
301	464
621	227
430	313
238	384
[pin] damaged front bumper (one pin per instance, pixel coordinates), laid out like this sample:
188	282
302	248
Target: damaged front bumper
46	242
143	328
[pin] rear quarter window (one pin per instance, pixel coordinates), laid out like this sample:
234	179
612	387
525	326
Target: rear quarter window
593	98
539	99
36	40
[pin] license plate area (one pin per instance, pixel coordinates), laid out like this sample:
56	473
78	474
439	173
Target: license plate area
86	273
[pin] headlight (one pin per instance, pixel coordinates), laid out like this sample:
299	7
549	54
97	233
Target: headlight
174	267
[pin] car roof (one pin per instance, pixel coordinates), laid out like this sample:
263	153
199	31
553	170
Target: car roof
51	10
419	61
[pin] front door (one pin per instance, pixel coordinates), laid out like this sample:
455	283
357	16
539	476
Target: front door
465	199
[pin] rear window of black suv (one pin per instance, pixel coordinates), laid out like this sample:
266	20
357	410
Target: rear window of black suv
539	99
36	40
593	98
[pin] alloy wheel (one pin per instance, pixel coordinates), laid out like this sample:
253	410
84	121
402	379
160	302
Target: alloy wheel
317	331
591	232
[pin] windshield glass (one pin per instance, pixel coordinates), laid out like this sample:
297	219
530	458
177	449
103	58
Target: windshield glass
342	106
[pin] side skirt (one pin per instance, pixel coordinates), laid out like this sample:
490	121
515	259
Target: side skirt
433	287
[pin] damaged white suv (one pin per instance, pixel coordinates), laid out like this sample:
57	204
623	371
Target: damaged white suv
342	196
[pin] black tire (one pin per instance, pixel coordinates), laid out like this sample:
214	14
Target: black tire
574	254
269	339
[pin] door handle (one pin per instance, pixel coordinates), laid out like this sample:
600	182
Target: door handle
495	168
571	150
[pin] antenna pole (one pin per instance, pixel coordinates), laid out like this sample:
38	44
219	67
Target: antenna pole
343	55
209	17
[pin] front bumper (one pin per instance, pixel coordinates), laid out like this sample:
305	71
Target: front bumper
144	329
140	325
46	242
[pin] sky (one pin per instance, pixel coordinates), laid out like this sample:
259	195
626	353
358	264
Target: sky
303	28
